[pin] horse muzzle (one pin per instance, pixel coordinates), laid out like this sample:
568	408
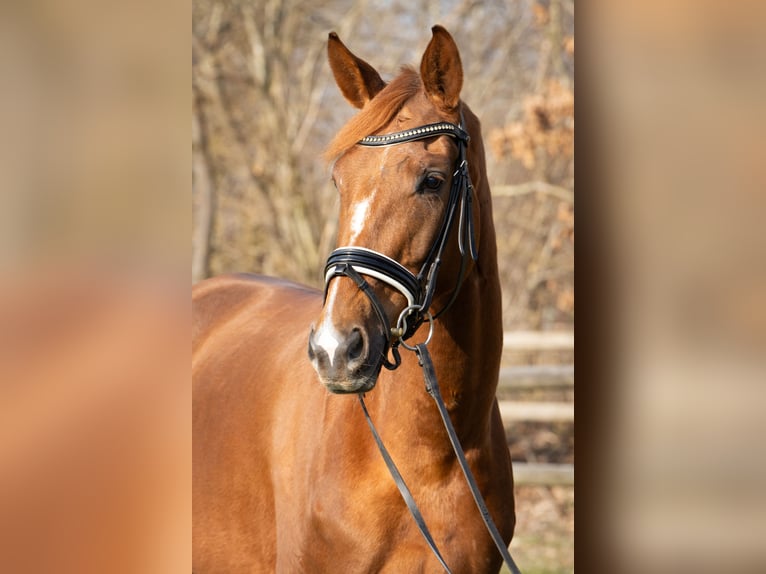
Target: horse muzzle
345	362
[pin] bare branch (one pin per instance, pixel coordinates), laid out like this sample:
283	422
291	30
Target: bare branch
258	57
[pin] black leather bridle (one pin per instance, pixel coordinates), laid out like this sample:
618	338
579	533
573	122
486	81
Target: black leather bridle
356	262
418	290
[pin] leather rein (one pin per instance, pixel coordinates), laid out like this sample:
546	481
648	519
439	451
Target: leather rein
356	262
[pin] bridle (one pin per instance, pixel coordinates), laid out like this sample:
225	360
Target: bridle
356	262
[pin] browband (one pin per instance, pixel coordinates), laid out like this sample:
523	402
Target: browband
422	132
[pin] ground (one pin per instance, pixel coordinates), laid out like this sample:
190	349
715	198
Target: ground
543	543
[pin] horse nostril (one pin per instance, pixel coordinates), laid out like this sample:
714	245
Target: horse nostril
312	353
355	346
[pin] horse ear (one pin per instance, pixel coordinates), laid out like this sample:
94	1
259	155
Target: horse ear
357	80
441	70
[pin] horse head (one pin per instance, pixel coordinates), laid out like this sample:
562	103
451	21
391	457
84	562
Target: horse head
405	193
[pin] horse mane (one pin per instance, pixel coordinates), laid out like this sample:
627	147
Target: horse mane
378	112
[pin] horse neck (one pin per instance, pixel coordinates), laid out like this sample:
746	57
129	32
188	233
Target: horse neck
465	348
467	342
469	339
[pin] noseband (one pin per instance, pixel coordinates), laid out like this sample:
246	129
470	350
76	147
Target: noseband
356	262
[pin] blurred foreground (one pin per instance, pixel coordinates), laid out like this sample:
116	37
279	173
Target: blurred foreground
95	447
680	470
94	210
95	441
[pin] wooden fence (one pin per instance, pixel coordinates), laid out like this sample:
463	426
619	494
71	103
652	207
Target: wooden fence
538	377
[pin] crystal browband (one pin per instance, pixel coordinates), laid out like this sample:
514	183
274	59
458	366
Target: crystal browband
427	131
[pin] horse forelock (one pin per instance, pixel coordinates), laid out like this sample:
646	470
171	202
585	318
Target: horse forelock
377	113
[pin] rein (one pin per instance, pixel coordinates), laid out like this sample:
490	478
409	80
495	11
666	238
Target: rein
432	387
355	262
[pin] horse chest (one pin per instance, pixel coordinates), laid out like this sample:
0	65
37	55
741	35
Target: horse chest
363	526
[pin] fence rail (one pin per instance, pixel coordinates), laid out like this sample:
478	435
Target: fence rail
540	474
513	411
538	340
538	377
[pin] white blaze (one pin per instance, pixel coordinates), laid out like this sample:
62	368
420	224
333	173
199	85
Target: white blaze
358	217
362	208
327	337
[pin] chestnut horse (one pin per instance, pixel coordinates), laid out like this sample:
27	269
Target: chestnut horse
287	477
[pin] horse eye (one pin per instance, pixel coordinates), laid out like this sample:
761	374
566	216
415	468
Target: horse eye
432	182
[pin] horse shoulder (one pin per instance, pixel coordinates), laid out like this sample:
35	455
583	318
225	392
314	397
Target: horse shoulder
248	340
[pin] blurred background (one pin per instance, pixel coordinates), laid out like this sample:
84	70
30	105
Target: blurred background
94	256
264	106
